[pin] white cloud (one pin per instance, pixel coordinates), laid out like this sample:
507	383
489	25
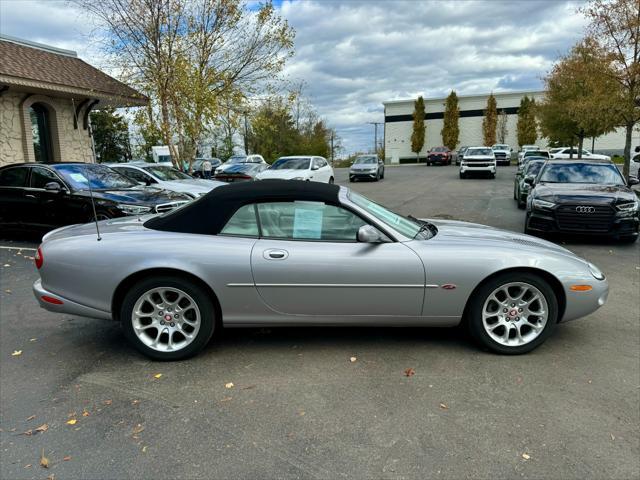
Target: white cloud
354	55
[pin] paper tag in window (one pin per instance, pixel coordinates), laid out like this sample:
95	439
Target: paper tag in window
307	222
78	177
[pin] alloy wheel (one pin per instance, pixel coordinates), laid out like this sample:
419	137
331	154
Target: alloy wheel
515	314
166	319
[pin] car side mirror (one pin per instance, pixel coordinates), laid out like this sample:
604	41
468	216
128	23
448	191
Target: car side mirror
53	187
530	180
633	180
315	167
638	148
370	234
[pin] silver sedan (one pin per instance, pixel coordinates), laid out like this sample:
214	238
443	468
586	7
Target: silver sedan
285	252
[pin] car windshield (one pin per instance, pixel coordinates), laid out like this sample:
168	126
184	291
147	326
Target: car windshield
406	226
166	173
479	151
237	159
533	167
440	149
581	173
536	153
98	177
530	147
366	160
294	163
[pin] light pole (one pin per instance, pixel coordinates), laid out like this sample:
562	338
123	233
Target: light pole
375	141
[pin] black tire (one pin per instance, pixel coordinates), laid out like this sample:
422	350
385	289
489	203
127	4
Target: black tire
463	175
515	192
493	175
195	291
527	230
377	179
382	176
331	180
521	205
351	180
476	305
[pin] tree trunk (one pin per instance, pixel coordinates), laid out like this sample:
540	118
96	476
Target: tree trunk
580	143
627	150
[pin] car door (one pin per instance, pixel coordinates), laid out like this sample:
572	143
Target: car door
308	262
319	170
15	208
53	208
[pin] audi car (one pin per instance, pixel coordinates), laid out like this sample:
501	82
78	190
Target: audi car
296	253
41	197
582	197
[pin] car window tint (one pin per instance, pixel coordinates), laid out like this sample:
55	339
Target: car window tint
322	162
243	222
41	176
134	174
308	221
13	177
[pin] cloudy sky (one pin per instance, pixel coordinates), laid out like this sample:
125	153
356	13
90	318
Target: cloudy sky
355	54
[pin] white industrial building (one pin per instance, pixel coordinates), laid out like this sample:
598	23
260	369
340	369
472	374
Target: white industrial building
398	123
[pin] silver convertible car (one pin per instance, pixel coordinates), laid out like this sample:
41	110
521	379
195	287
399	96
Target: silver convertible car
286	252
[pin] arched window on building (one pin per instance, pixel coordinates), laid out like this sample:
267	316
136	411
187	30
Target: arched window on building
41	130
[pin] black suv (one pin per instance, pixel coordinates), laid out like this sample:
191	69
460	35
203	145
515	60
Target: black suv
42	197
583	197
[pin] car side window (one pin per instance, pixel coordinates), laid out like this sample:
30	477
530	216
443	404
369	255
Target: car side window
13	177
41	176
242	223
321	162
308	221
135	175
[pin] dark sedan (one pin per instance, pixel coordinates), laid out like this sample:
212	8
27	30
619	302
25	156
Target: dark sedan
439	155
241	172
582	197
46	196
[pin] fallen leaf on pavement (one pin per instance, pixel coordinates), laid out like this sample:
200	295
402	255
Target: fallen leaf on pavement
301	413
31	417
8	291
44	461
52	477
526	456
16	353
612	436
108	402
519	380
85	413
144	449
6	265
28	465
135	402
73	421
32	339
228	385
409	372
67	458
353	359
42	428
157	375
226	399
444	406
137	429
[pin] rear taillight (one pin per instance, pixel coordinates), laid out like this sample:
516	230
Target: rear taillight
38	258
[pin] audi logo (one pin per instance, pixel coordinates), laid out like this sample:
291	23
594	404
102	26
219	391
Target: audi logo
585	209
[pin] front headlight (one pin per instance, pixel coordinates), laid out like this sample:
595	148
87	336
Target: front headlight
133	209
543	204
595	271
628	207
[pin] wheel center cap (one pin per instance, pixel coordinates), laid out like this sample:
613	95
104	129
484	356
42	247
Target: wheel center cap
513	313
167	318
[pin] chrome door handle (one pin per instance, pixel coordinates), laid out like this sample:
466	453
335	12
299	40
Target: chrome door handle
30	196
275	254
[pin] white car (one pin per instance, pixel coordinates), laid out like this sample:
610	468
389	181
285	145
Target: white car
524	148
503	153
478	160
300	167
167	178
568	152
235	159
634	167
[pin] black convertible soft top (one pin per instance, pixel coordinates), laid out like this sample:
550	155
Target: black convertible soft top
210	213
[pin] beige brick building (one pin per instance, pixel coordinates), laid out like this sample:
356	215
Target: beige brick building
46	95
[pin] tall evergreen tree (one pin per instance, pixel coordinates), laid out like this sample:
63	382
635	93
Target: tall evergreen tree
111	136
450	128
527	128
490	121
418	134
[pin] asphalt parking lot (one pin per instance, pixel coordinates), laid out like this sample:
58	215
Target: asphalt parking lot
298	407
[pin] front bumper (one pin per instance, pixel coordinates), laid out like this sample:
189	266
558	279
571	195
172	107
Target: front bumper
367	175
581	304
58	304
482	167
547	222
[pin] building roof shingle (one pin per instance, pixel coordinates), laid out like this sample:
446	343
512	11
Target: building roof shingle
21	62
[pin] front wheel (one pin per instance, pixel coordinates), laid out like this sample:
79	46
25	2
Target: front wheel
463	175
331	180
513	313
167	318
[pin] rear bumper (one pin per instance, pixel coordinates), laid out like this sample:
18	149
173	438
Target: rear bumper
59	304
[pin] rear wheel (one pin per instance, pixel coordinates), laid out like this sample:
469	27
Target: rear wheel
168	318
513	313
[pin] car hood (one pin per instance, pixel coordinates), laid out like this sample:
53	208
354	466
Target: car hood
453	231
580	192
484	158
143	196
191	186
286	174
225	166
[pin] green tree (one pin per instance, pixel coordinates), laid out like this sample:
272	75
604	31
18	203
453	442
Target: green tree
490	121
615	28
273	130
578	93
527	129
148	130
419	129
111	136
450	128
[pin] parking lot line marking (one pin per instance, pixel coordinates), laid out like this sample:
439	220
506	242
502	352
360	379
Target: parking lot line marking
18	248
